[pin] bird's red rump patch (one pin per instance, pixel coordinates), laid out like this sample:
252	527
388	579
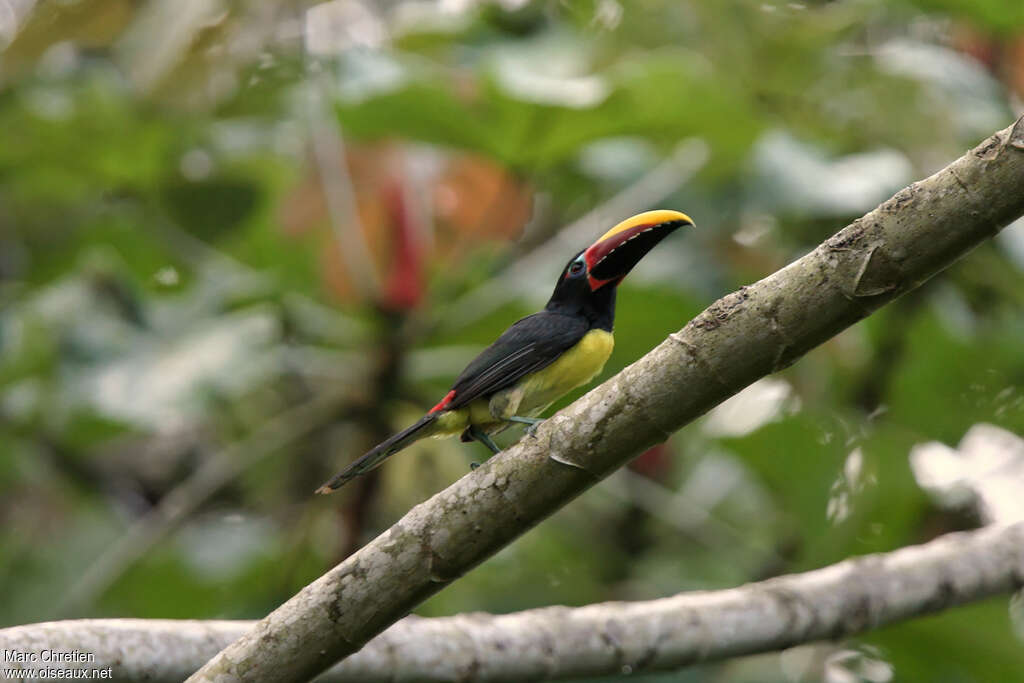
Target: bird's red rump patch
444	402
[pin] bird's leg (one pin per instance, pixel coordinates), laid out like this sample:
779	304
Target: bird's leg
466	437
533	423
481	436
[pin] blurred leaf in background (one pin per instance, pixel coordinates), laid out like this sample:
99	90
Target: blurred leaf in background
216	215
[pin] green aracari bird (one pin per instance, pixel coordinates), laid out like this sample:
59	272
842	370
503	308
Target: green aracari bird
541	357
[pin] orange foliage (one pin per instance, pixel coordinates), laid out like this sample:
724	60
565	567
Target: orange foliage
408	221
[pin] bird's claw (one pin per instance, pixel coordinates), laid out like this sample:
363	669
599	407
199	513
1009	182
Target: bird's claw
532	429
473	466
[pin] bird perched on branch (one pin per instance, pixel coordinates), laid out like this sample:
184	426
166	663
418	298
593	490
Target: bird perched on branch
541	357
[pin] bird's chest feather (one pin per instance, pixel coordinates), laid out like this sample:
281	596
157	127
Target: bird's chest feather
575	367
535	392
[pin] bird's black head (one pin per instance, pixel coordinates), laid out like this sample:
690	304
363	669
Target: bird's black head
588	282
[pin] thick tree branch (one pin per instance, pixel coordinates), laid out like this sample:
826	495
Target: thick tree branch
744	336
558	642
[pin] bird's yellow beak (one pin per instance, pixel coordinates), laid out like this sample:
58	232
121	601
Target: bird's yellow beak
615	253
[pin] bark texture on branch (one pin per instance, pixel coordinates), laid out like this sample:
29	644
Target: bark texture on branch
745	335
558	642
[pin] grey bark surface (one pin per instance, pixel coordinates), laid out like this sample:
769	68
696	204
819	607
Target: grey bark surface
603	639
745	335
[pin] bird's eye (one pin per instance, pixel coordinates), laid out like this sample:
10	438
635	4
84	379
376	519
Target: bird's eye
576	268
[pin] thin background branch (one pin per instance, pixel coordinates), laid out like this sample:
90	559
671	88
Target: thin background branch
602	639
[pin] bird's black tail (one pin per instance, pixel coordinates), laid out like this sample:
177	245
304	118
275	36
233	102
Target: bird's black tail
379	453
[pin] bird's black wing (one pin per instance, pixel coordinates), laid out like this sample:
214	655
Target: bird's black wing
531	344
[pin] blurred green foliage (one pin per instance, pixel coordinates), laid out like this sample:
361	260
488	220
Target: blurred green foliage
171	282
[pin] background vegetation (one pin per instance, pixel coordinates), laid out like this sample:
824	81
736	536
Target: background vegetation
242	242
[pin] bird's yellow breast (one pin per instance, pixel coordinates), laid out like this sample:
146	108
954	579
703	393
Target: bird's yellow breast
575	367
535	392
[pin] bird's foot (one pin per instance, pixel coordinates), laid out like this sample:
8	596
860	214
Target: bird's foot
477	434
473	465
531	423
